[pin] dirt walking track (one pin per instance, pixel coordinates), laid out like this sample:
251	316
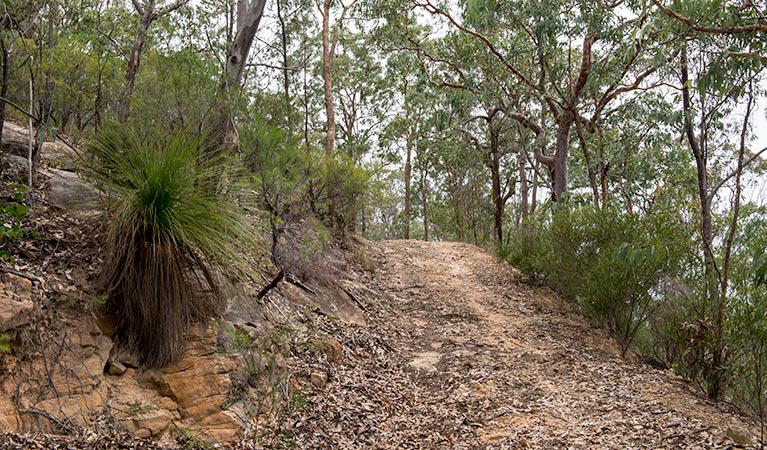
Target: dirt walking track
460	353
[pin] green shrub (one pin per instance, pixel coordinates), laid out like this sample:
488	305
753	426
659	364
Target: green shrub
11	228
169	229
615	265
5	342
298	182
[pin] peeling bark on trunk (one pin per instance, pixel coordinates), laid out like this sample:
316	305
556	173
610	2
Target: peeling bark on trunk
248	19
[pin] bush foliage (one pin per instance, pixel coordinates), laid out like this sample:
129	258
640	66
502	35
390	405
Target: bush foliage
617	266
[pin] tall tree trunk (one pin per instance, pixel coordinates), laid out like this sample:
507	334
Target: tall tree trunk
306	97
30	146
408	180
46	99
605	168
459	217
715	378
327	76
408	167
285	68
565	120
4	86
249	16
424	202
524	202
589	164
97	102
736	195
145	20
147	15
564	124
534	193
495	174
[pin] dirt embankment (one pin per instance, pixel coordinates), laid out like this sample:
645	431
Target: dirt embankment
434	346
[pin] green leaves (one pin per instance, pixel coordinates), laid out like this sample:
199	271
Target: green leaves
11	227
760	268
5	342
480	14
638	257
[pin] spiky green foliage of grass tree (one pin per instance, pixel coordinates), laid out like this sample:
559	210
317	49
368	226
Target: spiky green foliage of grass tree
170	232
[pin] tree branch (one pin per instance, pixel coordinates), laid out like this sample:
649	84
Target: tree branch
139	8
761	28
170	8
434	10
732	174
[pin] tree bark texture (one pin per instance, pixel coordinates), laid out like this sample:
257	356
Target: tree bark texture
249	16
4	87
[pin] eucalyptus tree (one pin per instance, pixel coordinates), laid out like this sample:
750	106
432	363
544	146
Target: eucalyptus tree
148	12
330	36
363	95
411	98
710	92
558	51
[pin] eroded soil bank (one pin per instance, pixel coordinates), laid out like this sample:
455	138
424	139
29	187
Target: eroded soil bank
417	346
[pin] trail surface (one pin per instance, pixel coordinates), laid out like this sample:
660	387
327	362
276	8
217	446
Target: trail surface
460	353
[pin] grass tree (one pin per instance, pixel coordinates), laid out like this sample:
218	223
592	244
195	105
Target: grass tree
170	231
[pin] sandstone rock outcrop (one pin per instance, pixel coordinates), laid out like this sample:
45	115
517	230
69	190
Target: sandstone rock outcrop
15	301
